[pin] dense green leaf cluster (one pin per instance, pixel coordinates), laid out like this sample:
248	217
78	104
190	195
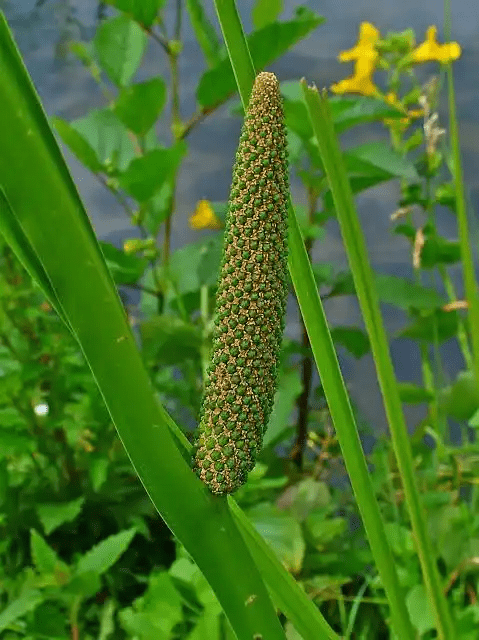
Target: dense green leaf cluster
251	299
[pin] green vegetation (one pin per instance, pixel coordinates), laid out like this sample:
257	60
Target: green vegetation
298	551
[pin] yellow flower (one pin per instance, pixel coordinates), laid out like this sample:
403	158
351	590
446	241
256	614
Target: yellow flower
204	217
430	49
365	56
364	48
360	82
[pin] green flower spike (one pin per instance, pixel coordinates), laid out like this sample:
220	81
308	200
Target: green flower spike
251	299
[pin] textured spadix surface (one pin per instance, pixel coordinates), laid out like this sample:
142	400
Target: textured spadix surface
251	299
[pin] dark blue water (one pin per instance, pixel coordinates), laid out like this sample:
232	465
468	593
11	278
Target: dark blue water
44	29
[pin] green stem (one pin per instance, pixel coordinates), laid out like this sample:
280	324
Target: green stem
302	402
467	259
462	337
355	245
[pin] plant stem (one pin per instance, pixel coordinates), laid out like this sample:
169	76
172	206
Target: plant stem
302	402
355	245
467	260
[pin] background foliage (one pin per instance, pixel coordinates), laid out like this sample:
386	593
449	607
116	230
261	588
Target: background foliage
83	552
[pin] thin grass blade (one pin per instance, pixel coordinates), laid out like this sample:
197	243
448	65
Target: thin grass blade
328	367
320	116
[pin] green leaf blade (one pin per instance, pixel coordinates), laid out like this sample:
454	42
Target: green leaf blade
119	44
265	45
104	555
139	105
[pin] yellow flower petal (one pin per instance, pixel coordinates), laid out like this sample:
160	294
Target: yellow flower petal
364	48
204	217
360	81
356	84
430	49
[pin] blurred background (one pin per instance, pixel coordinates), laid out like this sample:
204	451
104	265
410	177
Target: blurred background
44	29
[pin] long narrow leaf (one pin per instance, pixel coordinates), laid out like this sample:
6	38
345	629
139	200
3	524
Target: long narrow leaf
355	245
13	233
467	259
44	199
328	367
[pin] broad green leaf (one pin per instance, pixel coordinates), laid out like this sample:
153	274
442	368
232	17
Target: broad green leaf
440	325
407	230
448	527
412	394
184	572
353	339
289	388
43	556
296	118
366	172
357	167
204	31
266	44
196	264
322	529
381	156
394	290
348	112
358	184
155	614
145	175
49	621
83	585
52	515
282	532
19	607
437	250
139	105
265	11
108	137
446	195
98	472
158	209
419	609
125	268
11	417
143	11
207	626
78	145
323	272
405	294
104	555
119	46
170	340
401	539
309	494
14	444
461	399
